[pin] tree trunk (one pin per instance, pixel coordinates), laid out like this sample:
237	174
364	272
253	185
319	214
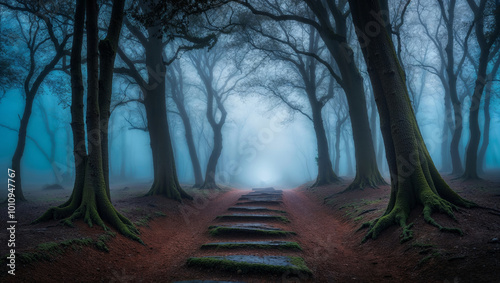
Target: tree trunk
325	171
89	199
195	162
445	141
414	178
338	129
348	154
367	173
21	144
470	172
107	53
486	131
165	175
176	80
487	117
212	161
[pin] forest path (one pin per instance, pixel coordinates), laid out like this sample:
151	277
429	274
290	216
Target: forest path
325	240
253	241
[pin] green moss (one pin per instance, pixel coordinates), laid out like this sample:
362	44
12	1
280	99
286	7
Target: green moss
48	251
244	267
359	218
144	221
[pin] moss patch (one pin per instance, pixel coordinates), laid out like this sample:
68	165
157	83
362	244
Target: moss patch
48	251
285	264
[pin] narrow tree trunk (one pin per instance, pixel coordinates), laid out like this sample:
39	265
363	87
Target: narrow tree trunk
445	140
348	154
21	144
486	129
470	172
325	171
212	161
338	129
487	118
107	52
195	162
414	178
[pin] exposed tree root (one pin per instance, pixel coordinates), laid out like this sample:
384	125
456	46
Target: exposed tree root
360	183
326	180
399	215
94	207
210	186
172	191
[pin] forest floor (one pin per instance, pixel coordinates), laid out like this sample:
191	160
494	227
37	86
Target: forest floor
326	230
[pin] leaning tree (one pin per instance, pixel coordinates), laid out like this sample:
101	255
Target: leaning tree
414	178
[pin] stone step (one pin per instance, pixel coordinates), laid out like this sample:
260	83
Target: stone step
253	245
253	264
263	189
259	202
264	198
248	229
254	209
207	281
277	192
242	216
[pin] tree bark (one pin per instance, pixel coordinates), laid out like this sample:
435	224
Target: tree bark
165	174
89	199
445	141
177	90
485	42
414	178
487	117
325	170
107	53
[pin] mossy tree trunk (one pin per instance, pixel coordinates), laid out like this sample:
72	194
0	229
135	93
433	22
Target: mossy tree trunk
89	199
414	178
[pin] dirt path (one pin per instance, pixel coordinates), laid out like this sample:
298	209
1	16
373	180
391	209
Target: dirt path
330	246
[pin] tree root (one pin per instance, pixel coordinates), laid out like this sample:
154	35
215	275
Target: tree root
210	186
360	183
432	203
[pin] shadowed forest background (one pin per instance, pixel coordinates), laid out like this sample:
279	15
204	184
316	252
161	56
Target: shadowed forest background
351	101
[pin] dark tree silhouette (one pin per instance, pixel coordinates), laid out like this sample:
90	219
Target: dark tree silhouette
175	78
485	13
41	30
331	21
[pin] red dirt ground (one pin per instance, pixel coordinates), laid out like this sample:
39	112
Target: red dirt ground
327	233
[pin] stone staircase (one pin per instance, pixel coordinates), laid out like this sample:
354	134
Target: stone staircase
251	239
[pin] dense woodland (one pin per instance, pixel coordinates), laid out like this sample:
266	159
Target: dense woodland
204	93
